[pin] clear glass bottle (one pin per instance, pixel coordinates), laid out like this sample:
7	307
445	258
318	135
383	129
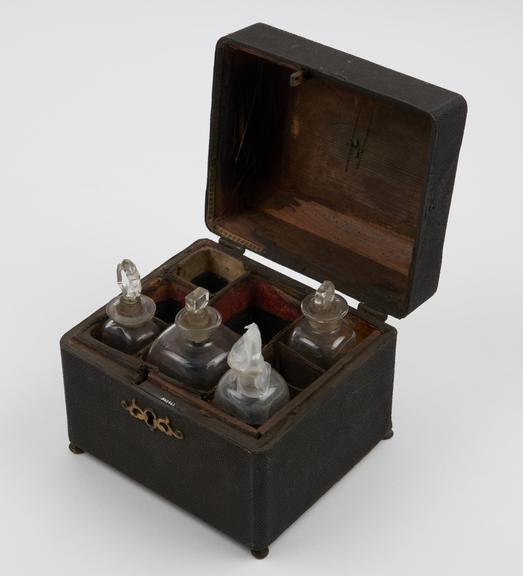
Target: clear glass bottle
324	334
130	326
194	349
251	390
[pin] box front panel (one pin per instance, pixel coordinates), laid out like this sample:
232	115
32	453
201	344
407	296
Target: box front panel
201	471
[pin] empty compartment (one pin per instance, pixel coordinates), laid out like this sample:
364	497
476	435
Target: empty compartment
296	370
256	300
211	269
169	297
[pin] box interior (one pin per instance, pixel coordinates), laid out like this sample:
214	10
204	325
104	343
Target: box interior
247	295
242	293
319	176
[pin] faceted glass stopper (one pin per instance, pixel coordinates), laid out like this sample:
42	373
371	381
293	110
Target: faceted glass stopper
324	296
196	312
128	279
131	308
198	319
324	306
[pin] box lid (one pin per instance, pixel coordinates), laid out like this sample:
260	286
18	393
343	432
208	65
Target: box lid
331	165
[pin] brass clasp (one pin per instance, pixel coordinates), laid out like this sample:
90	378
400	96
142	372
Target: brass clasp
151	420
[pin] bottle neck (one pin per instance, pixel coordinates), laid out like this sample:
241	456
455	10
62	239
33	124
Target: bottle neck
131	312
129	306
198	326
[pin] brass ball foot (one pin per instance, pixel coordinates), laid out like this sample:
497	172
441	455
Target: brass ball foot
260	554
75	450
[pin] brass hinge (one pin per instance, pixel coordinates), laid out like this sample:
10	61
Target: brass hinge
372	311
231	245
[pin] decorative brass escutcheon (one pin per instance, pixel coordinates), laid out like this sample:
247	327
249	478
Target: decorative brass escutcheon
151	420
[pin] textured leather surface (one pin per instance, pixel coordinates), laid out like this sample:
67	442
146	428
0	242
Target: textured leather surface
352	417
250	494
203	473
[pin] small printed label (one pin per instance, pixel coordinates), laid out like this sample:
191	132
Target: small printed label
167	401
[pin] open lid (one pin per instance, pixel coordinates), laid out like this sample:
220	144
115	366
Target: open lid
336	167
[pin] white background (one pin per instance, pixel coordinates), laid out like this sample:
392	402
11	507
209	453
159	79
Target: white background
104	113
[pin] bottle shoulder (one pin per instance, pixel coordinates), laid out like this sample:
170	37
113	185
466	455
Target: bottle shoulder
197	365
129	339
322	348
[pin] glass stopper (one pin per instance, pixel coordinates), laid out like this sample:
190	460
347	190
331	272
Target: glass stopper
131	308
196	302
246	359
128	279
197	317
325	295
324	308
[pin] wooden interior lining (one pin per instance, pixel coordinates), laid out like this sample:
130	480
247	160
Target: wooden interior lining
330	164
255	299
169	296
258	291
364	279
168	290
355	153
297	371
208	260
348	231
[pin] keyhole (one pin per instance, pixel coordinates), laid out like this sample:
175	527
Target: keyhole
150	418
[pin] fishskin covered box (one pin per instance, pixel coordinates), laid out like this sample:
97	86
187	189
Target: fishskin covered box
330	165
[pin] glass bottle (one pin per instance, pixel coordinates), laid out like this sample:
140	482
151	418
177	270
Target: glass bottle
251	390
130	326
324	334
194	349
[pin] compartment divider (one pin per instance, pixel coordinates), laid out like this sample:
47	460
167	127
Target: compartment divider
169	293
231	286
254	298
267	302
289	352
210	268
282	334
297	371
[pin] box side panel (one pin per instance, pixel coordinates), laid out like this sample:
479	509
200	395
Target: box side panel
448	126
204	473
350	418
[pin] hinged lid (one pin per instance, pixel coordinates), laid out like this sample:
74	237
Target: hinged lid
331	165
